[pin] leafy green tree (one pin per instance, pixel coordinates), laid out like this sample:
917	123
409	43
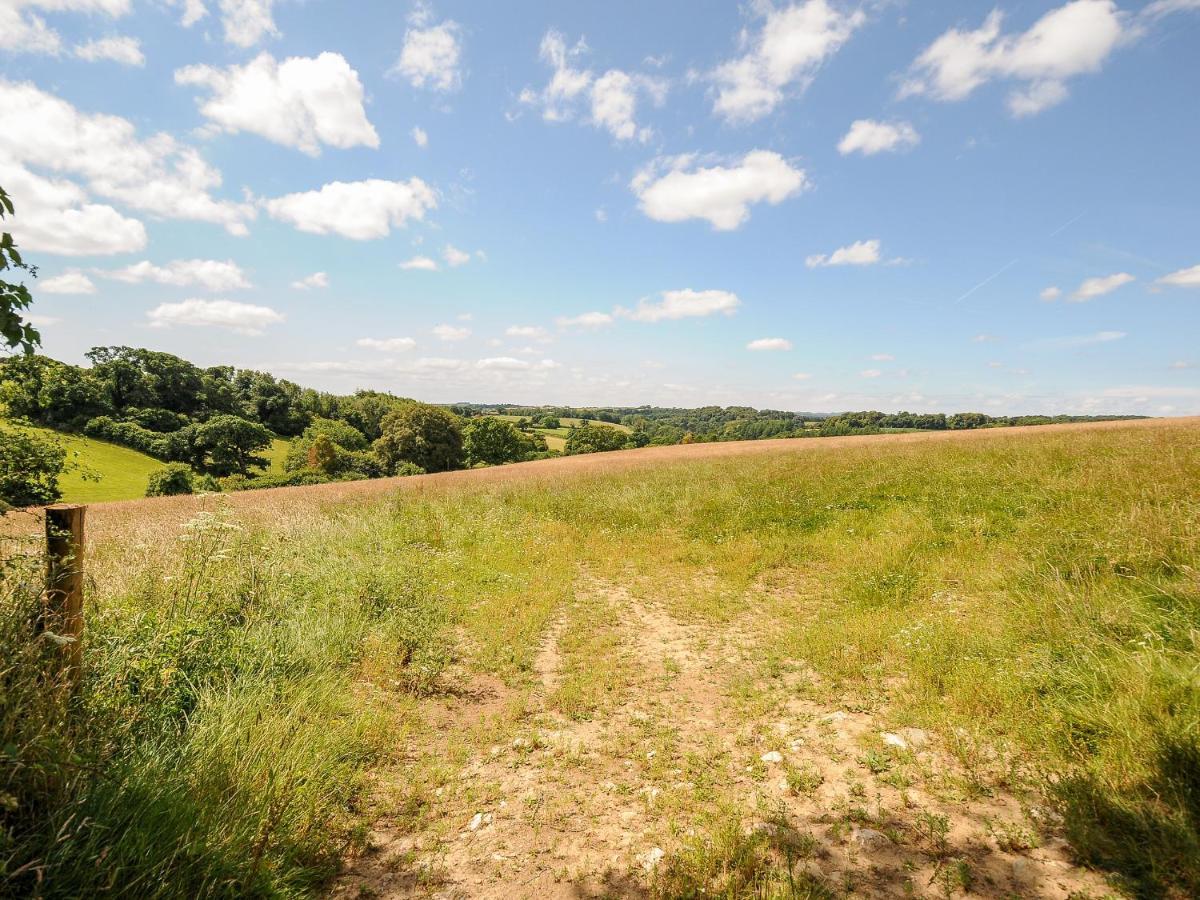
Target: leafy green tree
491	441
170	481
30	465
965	420
425	435
14	298
228	445
594	439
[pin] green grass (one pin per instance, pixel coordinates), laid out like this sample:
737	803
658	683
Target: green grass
1033	596
277	454
100	471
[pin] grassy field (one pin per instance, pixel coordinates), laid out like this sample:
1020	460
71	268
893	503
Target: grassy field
909	665
99	471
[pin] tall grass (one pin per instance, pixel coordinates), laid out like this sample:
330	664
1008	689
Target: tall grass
1034	597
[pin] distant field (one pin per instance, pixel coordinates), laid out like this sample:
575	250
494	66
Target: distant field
100	471
277	454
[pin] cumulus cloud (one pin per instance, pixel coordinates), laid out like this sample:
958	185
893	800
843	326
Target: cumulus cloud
245	22
770	344
359	210
54	216
301	102
785	53
193	11
126	51
310	282
67	283
675	189
419	264
860	253
682	304
511	364
22	30
158	175
1050	294
420	138
610	99
387	345
1072	40
585	320
1182	278
1091	288
213	274
432	54
455	257
242	318
868	137
450	333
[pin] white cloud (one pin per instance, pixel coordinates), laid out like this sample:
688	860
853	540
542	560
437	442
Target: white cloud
860	253
601	215
22	30
1182	364
309	282
158	175
870	373
511	364
243	318
43	321
770	344
1073	39
419	264
682	304
585	320
301	102
673	189
124	50
67	283
1182	278
868	137
360	210
1091	288
1050	294
193	11
790	48
420	138
611	98
882	357
532	332
213	274
387	345
246	22
450	333
455	257
802	376
1081	340
431	57
54	216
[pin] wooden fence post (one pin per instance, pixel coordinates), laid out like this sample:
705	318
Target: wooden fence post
64	582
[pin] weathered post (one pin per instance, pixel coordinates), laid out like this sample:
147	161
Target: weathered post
64	583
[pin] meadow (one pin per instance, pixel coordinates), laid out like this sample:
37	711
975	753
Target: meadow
922	664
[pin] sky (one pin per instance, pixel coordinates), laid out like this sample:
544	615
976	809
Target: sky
812	206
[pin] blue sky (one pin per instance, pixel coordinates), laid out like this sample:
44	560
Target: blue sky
810	206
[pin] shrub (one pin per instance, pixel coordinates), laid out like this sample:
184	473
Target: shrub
170	481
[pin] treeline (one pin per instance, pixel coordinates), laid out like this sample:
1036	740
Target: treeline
669	425
212	426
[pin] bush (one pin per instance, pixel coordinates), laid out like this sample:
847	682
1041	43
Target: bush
29	467
170	481
595	439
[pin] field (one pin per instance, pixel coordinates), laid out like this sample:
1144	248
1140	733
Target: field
556	438
929	664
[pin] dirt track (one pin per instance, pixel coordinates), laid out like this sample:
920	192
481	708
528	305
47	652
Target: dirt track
111	519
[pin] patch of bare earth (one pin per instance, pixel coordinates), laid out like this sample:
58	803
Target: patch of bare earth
542	805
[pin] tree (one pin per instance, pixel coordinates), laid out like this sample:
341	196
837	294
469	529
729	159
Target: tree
29	467
425	435
323	455
492	441
14	298
227	445
594	439
170	481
